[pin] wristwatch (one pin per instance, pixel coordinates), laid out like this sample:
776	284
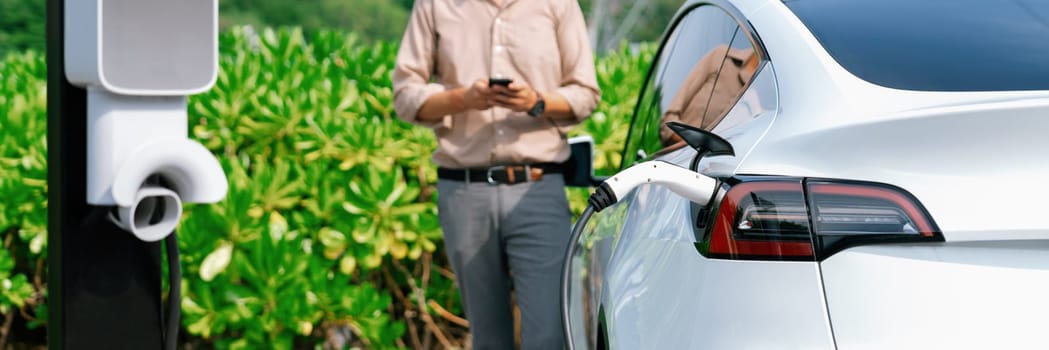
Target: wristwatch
539	107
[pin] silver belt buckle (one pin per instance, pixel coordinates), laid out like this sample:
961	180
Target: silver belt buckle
491	181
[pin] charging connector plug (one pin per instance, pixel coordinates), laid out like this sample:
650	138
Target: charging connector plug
693	186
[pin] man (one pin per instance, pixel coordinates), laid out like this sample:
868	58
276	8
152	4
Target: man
501	202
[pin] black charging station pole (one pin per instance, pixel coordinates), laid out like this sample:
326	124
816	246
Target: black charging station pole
104	284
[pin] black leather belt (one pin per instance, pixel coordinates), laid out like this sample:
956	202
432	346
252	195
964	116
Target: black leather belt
501	174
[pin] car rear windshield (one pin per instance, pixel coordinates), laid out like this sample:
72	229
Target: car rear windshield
936	45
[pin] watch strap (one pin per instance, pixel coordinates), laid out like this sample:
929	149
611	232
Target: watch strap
539	107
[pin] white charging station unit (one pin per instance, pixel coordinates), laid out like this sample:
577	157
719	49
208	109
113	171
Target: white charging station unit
138	61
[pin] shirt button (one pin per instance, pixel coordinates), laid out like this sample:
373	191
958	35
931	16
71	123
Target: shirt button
498	49
500	131
498	21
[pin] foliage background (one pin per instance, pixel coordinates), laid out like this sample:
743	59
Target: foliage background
328	237
22	22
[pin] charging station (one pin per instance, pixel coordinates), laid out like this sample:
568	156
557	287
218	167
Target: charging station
121	164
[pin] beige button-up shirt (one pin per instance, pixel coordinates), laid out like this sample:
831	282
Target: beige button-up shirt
703	101
452	43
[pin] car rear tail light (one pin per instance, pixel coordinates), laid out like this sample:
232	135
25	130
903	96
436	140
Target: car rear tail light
762	220
793	219
846	214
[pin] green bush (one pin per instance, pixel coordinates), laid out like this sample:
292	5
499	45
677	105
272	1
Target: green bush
23	188
329	235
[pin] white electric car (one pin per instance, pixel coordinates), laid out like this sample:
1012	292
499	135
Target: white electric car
886	184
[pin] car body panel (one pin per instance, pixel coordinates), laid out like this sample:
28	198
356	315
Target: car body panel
711	304
989	156
967	295
966	156
668	296
821	132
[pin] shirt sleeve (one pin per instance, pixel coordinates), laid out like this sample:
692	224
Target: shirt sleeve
414	67
579	81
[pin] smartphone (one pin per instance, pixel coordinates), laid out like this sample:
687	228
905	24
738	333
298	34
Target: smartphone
499	81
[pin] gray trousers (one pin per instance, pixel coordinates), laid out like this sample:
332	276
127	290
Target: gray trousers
497	233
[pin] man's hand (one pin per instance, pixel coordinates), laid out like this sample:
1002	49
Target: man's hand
517	96
478	96
458	100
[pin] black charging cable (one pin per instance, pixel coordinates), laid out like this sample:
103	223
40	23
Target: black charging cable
602	198
566	273
174	311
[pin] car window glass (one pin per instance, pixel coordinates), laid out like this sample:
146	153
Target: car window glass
758	100
711	87
962	45
745	122
701	44
733	103
634	150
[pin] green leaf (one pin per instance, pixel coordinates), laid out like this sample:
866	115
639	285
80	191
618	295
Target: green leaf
334	242
216	262
372	261
278	226
347	264
36	245
191	307
428	245
202	326
305	328
352	209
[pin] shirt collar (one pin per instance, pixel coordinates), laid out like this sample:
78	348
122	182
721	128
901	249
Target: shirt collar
740	54
500	3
